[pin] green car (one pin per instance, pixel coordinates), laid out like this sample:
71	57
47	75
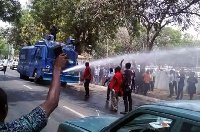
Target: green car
173	116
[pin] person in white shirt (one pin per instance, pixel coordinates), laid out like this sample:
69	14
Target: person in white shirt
171	79
175	78
96	74
5	64
110	75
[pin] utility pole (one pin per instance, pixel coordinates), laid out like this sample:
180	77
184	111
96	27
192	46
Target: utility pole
107	47
197	62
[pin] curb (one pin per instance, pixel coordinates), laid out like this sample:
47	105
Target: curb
151	99
146	98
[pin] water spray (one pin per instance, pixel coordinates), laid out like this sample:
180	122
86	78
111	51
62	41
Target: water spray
150	57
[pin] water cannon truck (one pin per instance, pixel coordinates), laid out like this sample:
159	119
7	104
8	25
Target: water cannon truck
36	62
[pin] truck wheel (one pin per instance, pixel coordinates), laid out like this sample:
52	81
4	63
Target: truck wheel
36	80
63	84
21	76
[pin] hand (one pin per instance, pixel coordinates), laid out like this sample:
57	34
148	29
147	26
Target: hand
113	90
61	61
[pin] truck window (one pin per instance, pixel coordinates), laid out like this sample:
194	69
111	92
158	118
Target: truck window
38	53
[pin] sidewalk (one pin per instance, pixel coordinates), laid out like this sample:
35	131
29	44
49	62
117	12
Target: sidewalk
163	95
152	96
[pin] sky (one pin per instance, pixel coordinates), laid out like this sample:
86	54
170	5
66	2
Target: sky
24	3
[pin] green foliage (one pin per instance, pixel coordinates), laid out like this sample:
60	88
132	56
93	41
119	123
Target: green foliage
4	49
31	31
155	15
9	10
94	24
173	38
16	52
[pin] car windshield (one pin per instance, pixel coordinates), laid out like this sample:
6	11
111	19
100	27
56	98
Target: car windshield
75	62
147	122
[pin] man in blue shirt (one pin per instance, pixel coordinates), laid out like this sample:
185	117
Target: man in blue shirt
36	120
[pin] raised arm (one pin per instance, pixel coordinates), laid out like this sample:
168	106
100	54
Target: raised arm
52	99
121	63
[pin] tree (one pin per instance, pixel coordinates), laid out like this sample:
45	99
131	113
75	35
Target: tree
10	10
84	20
4	50
154	15
60	13
31	30
169	37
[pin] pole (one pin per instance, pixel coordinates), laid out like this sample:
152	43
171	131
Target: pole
197	64
107	47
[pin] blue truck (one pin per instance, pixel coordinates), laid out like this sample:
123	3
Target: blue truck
36	62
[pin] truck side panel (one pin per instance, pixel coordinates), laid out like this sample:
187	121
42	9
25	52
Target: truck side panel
26	58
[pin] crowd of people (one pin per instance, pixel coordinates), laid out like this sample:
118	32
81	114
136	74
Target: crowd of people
143	80
120	82
177	83
123	81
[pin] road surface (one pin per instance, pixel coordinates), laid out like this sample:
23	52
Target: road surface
24	95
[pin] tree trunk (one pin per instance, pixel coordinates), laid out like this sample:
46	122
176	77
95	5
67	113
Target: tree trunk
151	42
148	38
78	44
77	38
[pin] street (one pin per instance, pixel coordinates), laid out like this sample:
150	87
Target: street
24	95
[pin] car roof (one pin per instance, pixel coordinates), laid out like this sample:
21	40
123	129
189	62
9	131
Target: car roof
183	108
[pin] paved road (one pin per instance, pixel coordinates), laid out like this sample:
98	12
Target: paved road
24	95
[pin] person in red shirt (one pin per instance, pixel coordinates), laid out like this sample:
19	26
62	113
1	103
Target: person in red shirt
87	78
115	85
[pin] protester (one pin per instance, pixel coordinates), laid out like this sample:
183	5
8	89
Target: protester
5	64
191	85
174	84
181	84
105	74
96	74
115	85
36	120
139	82
110	75
54	31
171	76
101	74
152	79
127	87
146	76
87	78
